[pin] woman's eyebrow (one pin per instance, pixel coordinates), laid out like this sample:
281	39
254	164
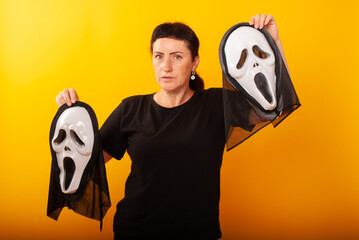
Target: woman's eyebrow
171	53
176	52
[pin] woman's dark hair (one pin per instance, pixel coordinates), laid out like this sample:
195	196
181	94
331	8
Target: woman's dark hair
180	31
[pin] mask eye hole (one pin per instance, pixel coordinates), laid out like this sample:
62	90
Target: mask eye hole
76	139
259	52
61	137
242	59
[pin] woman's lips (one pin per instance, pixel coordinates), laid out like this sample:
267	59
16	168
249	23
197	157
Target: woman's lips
167	78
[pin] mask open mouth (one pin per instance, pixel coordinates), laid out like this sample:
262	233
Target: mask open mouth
69	166
263	87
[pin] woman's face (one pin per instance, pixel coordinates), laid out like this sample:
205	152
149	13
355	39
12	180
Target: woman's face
172	62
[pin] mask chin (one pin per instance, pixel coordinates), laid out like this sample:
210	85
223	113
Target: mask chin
250	62
73	143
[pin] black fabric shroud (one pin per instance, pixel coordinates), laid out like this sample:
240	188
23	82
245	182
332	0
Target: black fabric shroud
92	197
238	102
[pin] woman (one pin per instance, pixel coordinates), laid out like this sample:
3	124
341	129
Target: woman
175	139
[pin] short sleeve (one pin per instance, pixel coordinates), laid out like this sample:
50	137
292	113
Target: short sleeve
113	138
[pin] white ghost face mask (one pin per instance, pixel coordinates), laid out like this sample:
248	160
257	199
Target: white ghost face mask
78	175
251	63
73	143
257	87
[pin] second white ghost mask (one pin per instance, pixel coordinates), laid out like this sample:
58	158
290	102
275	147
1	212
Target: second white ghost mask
257	87
251	62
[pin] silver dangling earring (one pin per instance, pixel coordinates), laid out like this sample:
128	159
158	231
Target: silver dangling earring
193	77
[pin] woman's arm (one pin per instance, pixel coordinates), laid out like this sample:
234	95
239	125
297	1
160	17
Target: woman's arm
106	156
268	23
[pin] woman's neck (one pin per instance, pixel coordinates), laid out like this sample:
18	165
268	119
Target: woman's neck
171	99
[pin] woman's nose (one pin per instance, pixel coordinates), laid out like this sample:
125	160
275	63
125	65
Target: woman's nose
167	65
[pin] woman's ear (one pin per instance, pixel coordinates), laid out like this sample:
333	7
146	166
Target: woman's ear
195	62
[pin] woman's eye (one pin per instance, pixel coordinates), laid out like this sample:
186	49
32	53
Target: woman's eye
158	57
178	57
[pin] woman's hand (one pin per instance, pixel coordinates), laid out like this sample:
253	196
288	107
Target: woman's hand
267	22
68	96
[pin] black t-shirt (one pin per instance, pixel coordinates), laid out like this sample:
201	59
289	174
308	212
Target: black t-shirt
173	189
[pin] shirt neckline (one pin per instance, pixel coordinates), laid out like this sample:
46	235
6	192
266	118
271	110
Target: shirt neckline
156	105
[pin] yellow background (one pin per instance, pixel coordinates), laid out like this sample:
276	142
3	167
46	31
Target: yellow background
297	181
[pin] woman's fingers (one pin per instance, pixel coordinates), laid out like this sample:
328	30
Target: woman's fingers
68	96
60	100
260	20
256	20
267	22
268	19
251	21
73	95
